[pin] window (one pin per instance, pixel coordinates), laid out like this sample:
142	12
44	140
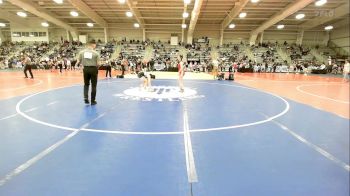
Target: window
42	34
15	34
29	34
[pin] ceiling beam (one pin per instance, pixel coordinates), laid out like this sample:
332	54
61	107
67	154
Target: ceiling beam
81	6
342	23
194	17
338	12
136	13
156	8
12	18
289	10
233	13
44	14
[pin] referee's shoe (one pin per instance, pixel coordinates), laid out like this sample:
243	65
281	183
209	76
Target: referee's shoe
88	102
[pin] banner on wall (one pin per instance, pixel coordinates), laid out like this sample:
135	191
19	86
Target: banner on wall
174	40
83	39
202	40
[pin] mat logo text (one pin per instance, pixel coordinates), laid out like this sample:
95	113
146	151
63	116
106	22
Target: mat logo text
159	93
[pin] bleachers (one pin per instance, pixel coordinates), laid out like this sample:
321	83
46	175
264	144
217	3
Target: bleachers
165	51
133	50
165	55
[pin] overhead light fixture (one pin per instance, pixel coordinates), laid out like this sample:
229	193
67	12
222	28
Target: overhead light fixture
45	24
231	26
129	14
121	1
300	16
22	14
1	1
255	1
2	24
184	26
185	15
187	1
136	25
89	24
58	1
328	28
281	26
74	13
242	15
320	2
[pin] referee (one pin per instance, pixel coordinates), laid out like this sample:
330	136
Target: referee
27	66
90	61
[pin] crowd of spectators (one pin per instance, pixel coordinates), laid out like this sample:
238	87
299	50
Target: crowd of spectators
157	55
7	49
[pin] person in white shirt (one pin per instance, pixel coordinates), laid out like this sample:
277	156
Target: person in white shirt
69	64
181	70
329	60
6	63
190	66
335	68
131	67
215	68
19	64
323	66
346	71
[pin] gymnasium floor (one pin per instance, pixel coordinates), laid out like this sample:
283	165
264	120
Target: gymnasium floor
263	134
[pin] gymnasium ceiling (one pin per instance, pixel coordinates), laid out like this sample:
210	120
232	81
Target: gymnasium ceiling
166	15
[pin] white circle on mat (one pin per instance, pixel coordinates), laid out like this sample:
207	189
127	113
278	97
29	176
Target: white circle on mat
268	119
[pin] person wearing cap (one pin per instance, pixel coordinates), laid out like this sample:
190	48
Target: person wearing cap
27	66
90	60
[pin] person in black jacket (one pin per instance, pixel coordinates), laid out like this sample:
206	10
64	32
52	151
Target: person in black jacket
108	69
